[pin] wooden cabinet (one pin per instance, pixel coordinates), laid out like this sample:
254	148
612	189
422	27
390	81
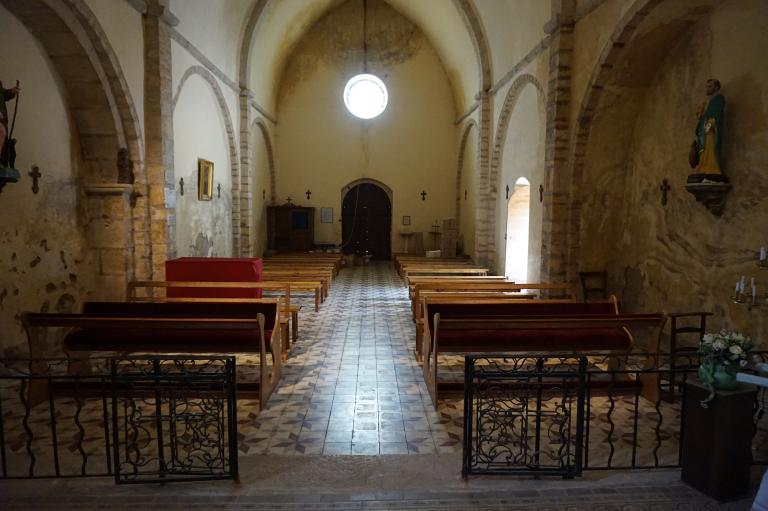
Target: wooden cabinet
290	228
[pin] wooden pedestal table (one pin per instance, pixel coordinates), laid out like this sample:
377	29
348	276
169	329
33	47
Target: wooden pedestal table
717	440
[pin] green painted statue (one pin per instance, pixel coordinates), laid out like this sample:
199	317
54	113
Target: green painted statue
709	131
5	146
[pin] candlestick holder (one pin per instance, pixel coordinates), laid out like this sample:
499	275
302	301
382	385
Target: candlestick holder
738	298
763	264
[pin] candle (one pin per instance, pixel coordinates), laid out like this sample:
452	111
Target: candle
762	254
741	284
737	288
754	288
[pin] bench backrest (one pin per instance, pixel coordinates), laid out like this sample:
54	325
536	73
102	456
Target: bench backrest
224	310
490	308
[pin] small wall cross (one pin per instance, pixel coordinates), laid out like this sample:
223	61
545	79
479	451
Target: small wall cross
218	189
35	175
507	196
423	195
664	189
541	193
181	186
309	194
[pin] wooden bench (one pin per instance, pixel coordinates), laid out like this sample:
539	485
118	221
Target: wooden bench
324	277
468	270
470	289
504	292
167	328
532	326
289	313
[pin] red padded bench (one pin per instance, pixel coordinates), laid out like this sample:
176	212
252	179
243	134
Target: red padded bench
186	328
525	326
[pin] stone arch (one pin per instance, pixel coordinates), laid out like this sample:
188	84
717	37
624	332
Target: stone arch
104	116
613	52
462	148
346	188
513	94
247	200
208	77
259	122
479	41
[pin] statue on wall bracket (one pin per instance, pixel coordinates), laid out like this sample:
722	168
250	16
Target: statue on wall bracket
708	183
8	174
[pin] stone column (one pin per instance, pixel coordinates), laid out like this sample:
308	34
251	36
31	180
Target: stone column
554	250
246	171
483	220
158	125
108	231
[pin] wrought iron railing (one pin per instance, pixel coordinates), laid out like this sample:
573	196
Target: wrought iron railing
138	419
561	414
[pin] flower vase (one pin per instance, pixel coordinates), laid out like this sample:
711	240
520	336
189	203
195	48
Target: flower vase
720	376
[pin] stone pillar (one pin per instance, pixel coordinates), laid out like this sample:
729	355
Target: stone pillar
246	173
108	231
483	224
554	250
158	125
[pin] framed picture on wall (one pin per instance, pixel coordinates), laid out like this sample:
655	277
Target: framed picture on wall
406	220
326	215
204	179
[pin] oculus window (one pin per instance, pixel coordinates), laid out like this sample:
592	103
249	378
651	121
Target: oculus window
365	96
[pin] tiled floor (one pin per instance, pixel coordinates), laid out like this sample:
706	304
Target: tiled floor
351	384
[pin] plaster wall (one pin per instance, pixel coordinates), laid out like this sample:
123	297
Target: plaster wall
261	189
182	60
214	28
124	28
470	178
203	228
513	29
411	147
680	257
44	264
523	156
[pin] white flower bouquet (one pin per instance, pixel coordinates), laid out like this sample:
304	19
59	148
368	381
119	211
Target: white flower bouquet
729	349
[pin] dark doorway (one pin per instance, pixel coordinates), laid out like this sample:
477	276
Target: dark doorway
366	221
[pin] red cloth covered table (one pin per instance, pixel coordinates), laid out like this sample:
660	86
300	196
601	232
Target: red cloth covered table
213	269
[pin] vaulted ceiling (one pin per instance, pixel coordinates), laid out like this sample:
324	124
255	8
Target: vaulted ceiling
278	25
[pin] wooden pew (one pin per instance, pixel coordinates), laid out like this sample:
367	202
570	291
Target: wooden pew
470	288
289	314
408	272
324	277
451	292
167	328
542	326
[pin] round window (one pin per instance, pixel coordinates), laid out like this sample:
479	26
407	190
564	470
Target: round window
365	96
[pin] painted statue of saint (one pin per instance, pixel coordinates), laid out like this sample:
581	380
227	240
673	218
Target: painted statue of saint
709	130
5	95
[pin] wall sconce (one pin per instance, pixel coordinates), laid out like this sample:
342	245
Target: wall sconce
740	295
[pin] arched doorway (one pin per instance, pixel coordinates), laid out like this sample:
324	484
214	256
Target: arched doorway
366	221
518	207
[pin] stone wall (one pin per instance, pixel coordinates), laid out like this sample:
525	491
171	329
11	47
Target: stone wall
680	256
44	263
